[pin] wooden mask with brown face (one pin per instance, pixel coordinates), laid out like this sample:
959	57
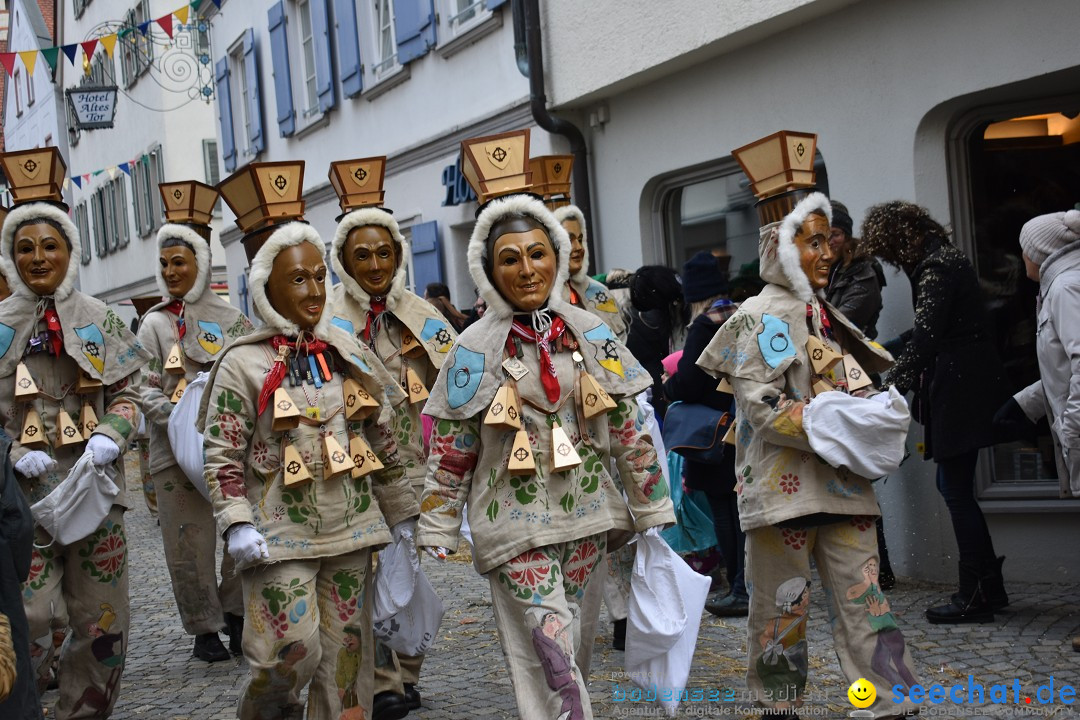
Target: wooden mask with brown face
296	287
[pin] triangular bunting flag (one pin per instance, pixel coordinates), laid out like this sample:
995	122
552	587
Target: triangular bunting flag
165	21
182	14
144	26
195	5
8	60
89	47
86	177
97	172
108	42
112	172
51	55
29	60
70	51
126	167
77	180
66	183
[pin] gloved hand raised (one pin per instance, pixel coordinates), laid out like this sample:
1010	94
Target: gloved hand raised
246	545
439	553
104	449
35	464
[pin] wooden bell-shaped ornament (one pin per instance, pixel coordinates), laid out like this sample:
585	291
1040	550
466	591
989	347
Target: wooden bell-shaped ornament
363	457
336	460
25	387
67	432
857	378
286	414
359	403
410	346
522	461
725	387
563	455
293	467
181	388
729	436
414	386
821	385
88	420
174	361
594	399
822	358
504	413
87	384
33	431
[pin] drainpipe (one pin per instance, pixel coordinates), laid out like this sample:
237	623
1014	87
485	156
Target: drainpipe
556	125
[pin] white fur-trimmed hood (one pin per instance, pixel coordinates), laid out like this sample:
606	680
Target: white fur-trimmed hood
286	236
30	211
201	249
573	212
496	210
780	263
361	218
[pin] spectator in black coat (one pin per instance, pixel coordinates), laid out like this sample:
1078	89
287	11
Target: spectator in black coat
657	324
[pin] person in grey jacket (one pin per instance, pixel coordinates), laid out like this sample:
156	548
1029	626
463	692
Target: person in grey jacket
856	278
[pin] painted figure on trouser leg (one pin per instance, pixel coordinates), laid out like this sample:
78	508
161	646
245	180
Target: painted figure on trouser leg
533	406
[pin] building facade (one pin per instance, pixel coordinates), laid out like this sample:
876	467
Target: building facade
33	102
968	108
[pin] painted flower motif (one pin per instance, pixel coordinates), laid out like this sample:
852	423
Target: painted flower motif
862	523
230	479
531	517
581	562
108	556
795	539
545	518
789	483
259	453
229	428
515	514
530	569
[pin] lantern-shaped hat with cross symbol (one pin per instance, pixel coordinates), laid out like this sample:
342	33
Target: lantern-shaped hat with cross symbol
189	202
781	171
35	175
358	183
552	175
264	195
497	165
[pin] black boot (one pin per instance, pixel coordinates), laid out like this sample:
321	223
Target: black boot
412	696
389	705
208	647
234	625
993	586
969	605
618	635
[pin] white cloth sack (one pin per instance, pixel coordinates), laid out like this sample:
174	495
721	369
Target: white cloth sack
666	601
412	629
395	577
186	441
865	435
78	505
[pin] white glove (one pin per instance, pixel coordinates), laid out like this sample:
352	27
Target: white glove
35	464
654	531
439	553
246	545
405	528
104	449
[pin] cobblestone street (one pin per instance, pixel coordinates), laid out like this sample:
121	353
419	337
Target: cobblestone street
464	676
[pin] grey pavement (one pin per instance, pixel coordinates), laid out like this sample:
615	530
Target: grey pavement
464	675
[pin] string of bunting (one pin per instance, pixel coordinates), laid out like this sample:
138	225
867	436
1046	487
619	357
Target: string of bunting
126	167
108	42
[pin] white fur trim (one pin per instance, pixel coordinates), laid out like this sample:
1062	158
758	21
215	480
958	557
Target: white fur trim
30	211
286	236
201	249
573	212
788	253
496	210
360	218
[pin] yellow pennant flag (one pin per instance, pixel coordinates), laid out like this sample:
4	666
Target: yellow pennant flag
29	60
109	43
182	14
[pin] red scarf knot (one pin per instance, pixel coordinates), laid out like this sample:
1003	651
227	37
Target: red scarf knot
56	334
280	367
378	307
176	307
548	377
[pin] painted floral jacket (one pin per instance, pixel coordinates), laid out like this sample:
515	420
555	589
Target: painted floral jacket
109	353
510	514
212	324
320	518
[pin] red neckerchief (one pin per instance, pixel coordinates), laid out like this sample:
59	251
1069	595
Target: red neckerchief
176	307
56	334
575	299
279	369
826	326
378	307
547	368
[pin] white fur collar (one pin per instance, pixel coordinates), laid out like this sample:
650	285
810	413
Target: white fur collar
573	212
202	259
360	218
286	236
495	211
30	211
788	252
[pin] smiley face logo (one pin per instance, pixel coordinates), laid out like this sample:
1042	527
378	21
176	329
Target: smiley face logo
862	693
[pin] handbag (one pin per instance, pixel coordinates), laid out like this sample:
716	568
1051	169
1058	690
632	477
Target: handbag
697	432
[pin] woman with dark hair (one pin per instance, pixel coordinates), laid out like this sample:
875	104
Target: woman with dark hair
949	361
657	324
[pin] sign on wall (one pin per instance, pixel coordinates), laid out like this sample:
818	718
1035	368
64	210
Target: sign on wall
93	107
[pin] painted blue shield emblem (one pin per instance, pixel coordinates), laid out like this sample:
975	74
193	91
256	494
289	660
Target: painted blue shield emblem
7	334
774	340
436	333
605	349
464	376
93	346
343	324
210	336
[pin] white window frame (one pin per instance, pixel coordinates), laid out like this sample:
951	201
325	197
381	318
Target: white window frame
145	177
464	22
18	94
383	17
82	223
29	90
211	169
305	42
239	94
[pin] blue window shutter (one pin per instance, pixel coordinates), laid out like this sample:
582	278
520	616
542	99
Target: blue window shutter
228	143
251	68
324	58
492	4
426	255
279	56
348	42
414	28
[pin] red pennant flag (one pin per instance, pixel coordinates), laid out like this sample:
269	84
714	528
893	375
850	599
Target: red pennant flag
88	47
165	21
8	59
